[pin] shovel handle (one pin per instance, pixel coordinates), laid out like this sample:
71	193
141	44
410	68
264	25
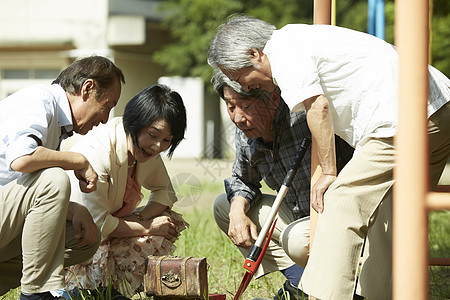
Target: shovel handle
282	192
256	253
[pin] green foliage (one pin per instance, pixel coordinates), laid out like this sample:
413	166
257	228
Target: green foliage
353	14
193	24
440	39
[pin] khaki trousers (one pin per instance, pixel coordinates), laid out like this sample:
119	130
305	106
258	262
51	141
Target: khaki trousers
375	277
351	203
36	242
290	239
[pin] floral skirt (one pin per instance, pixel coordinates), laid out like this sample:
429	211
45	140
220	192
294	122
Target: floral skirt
121	262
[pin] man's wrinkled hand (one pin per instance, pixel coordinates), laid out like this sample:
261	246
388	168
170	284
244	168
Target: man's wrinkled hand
319	189
86	231
242	231
87	179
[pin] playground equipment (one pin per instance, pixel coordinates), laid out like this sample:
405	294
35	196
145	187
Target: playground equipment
375	18
412	197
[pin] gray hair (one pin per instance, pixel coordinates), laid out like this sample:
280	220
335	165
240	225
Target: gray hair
220	81
229	47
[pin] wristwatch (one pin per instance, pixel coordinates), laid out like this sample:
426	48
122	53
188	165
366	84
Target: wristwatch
139	216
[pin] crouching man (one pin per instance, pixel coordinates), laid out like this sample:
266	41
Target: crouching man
41	232
268	136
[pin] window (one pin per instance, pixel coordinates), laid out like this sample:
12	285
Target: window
13	79
29	74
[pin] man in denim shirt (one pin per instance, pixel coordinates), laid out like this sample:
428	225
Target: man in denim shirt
268	136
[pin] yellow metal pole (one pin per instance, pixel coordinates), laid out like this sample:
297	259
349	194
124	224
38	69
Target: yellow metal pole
333	12
430	27
410	225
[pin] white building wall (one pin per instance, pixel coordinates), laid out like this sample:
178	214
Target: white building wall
191	90
50	34
82	22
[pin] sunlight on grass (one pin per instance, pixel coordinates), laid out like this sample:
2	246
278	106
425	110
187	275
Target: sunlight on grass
204	239
439	243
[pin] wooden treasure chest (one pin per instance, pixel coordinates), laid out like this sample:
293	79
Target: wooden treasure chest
176	277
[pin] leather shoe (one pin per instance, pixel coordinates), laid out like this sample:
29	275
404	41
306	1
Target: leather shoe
38	296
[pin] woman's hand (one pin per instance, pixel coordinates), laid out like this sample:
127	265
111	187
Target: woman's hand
136	224
162	226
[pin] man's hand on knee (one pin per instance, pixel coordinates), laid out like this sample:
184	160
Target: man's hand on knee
83	224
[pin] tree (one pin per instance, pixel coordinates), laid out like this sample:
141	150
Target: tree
193	23
440	36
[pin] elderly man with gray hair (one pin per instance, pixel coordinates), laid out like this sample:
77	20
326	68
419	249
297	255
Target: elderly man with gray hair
267	139
347	82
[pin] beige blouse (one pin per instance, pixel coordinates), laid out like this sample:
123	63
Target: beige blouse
106	149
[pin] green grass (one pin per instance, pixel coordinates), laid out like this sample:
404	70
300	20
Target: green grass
439	241
204	239
225	262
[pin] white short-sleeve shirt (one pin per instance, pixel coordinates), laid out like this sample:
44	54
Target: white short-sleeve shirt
357	72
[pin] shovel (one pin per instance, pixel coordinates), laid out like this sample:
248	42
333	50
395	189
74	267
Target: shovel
258	249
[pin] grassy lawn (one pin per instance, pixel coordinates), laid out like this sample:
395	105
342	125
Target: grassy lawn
225	262
439	237
204	239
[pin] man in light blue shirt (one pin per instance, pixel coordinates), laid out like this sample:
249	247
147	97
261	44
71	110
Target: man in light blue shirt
40	231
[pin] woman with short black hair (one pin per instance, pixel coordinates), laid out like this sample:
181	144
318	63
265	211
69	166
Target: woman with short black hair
125	153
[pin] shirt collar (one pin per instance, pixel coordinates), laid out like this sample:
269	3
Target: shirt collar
64	112
276	125
277	118
274	81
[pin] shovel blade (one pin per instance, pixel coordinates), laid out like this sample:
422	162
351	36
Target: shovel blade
243	286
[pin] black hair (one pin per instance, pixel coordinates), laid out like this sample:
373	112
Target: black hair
154	103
